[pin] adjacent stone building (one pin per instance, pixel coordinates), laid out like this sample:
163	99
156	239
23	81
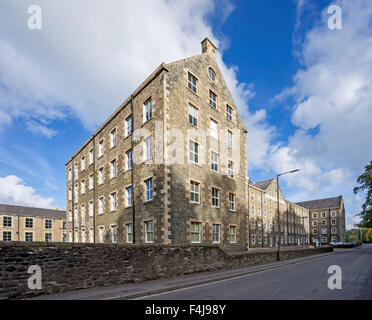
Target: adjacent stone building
169	166
18	223
263	216
327	219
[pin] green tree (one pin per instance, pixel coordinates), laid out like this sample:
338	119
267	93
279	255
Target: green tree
365	181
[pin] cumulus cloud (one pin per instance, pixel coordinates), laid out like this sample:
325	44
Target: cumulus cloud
13	190
90	55
333	106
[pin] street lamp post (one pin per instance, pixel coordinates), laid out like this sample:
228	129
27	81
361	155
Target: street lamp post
277	194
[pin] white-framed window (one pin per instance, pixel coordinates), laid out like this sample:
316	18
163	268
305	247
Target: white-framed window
69	174
113	138
214	161
128	126
90	209
82	214
232	201
229	112
333	230
192	82
101	176
324	239
91	182
76	171
315	215
216	233
213	129
129	196
29	223
100	205
323	214
76	193
70	216
128	160
113	201
315	223
215	197
333	221
48	237
7	235
29	236
149	231
148	148
193	115
82	188
147	110
252	196
333	213
230	169
212	99
48	224
232	234
82	163
91	235
194	192
149	193
101	234
252	210
211	74
100	148
91	156
229	139
83	236
113	234
193	151
113	168
129	229
324	222
76	217
196	232
7	221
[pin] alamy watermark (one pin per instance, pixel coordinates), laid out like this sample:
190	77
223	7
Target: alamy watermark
335	20
335	280
35	20
34	282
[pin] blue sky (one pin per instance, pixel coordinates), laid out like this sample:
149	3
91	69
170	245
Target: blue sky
303	90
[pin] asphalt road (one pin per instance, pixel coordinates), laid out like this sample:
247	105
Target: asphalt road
304	280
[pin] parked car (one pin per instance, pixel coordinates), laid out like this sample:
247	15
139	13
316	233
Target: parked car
336	243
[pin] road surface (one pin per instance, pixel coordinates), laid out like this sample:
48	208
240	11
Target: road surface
303	280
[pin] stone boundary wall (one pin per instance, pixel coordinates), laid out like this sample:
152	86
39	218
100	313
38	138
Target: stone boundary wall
67	266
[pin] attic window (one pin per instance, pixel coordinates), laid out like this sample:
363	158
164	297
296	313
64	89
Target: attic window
212	74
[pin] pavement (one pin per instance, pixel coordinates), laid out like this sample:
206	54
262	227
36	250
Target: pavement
301	278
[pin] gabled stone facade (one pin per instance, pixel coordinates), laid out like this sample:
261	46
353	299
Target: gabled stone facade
188	181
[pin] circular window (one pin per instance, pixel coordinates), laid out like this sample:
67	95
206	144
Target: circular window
211	73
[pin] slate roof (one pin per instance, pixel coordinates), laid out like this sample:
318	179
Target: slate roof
263	184
334	202
7	209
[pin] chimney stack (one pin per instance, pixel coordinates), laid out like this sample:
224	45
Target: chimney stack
208	47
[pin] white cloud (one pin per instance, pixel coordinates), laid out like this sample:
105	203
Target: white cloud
91	55
333	95
13	190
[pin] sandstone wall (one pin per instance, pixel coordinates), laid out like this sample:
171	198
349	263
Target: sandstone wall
67	266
